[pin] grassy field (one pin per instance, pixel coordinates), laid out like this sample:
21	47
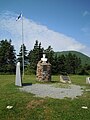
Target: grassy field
28	107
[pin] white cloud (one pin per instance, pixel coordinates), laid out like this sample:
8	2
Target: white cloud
86	31
85	13
33	31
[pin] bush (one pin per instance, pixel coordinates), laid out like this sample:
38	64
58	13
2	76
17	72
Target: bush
83	72
29	71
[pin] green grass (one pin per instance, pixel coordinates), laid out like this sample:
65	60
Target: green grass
28	107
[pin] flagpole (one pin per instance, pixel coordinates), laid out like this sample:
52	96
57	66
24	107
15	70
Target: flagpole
22	48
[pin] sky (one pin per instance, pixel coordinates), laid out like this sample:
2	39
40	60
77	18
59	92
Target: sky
62	24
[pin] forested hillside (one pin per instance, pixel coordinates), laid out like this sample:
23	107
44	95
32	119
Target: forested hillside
84	58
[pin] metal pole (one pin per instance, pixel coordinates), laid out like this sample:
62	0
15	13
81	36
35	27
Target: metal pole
22	47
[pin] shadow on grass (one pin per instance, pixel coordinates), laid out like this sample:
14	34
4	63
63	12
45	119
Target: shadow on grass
26	84
42	82
54	81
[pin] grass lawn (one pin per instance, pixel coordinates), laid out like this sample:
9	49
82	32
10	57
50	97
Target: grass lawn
28	107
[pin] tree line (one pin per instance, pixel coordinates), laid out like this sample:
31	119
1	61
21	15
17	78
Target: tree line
61	64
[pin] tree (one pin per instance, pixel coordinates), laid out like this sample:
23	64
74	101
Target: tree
54	64
35	55
49	54
73	63
7	57
61	64
66	64
25	56
76	64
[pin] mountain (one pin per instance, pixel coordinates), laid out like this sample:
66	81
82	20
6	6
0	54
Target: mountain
84	58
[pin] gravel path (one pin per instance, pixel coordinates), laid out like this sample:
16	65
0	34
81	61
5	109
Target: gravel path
46	90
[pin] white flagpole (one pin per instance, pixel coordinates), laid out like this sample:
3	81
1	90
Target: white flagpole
22	47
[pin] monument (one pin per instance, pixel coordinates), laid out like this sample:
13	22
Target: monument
43	72
65	79
18	81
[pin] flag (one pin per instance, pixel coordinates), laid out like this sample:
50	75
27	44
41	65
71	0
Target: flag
19	17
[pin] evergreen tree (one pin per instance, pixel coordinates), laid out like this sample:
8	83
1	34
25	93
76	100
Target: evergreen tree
54	64
69	65
25	56
49	54
66	64
73	63
35	55
76	64
7	57
61	64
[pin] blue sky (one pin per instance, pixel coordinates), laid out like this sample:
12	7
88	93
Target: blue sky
63	24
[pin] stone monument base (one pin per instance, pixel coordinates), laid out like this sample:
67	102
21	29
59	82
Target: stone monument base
43	70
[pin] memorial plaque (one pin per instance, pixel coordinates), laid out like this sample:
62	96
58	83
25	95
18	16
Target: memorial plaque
44	67
65	79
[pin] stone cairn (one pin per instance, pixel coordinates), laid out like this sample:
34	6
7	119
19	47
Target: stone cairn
43	72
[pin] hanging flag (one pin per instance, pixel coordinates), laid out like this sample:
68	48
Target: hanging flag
19	17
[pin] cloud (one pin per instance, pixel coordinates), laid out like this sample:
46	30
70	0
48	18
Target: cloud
85	13
86	31
10	28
